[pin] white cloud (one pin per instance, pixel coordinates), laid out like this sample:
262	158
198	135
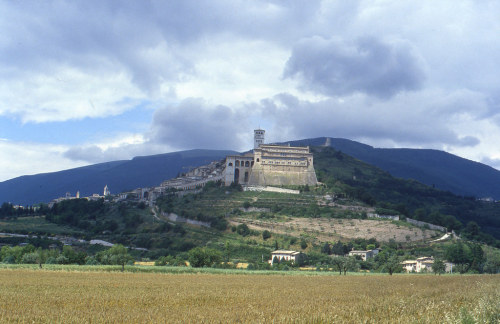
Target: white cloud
66	94
21	158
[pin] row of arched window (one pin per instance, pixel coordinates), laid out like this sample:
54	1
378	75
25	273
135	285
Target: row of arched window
245	164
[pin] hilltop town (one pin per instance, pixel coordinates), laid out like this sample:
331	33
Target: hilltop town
265	167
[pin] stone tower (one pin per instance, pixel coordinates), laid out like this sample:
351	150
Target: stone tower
258	138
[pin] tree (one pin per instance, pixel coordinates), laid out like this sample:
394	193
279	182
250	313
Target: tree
492	264
344	264
72	256
459	255
392	265
478	258
326	249
338	248
266	234
203	257
303	244
471	230
30	258
243	230
337	263
438	267
117	254
466	256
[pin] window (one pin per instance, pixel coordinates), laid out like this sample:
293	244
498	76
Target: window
237	163
247	164
230	164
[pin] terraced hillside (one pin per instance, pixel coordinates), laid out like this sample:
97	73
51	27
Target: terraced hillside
312	215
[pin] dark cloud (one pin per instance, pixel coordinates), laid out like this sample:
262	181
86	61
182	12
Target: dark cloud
195	124
149	40
334	67
357	117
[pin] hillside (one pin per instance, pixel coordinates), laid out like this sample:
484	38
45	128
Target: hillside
120	176
431	167
434	168
408	197
328	219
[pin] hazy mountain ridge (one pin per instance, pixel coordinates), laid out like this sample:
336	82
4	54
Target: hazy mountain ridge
435	168
143	171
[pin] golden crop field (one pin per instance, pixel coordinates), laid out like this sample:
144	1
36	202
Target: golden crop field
42	296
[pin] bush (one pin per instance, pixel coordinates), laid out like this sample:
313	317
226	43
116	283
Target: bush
243	230
266	234
203	257
30	258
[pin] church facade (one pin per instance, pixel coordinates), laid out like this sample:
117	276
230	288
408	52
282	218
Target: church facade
270	164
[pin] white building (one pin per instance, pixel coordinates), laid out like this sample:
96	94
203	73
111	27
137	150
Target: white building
364	254
284	255
418	265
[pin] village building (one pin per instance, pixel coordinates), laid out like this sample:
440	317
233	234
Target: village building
284	255
423	264
368	254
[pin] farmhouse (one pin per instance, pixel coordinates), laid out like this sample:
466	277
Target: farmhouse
364	254
284	255
418	265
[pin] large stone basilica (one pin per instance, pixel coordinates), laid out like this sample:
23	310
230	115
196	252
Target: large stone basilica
271	164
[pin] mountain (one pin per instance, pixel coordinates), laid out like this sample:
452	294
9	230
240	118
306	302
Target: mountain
119	176
431	167
434	168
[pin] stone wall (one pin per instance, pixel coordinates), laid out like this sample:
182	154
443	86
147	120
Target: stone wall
424	224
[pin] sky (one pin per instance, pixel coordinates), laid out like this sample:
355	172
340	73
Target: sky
84	82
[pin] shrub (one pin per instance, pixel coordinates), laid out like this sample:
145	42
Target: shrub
30	258
204	257
243	230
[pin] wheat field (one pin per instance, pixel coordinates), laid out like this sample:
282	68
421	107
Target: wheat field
42	296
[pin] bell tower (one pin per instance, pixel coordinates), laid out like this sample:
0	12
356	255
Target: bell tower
258	137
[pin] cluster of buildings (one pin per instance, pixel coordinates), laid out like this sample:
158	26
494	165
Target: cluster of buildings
266	165
423	264
106	193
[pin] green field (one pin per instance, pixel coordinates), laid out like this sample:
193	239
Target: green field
35	225
73	296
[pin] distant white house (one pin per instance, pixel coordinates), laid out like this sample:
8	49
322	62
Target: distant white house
284	255
418	265
364	254
424	264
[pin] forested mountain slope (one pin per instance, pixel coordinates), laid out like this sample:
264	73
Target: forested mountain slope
431	167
